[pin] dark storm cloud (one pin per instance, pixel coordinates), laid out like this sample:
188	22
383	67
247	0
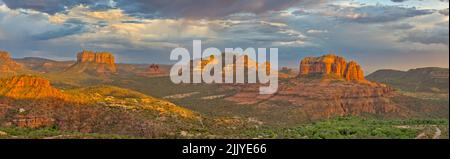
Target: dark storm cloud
54	6
164	8
204	8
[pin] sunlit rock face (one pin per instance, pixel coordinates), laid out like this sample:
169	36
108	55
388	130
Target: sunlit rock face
103	62
332	65
7	65
28	87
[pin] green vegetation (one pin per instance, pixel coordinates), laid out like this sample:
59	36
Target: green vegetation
51	133
430	79
351	128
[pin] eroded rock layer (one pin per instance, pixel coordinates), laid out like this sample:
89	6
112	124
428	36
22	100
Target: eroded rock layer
103	61
332	65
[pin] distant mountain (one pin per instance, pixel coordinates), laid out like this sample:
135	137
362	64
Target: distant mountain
43	65
429	79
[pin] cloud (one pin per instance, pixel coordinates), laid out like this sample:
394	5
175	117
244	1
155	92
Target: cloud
89	15
67	30
315	31
372	14
398	1
444	12
438	34
164	8
203	8
400	26
139	31
55	6
23	24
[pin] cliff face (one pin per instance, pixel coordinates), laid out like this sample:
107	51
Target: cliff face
309	100
332	65
100	62
99	57
7	65
28	87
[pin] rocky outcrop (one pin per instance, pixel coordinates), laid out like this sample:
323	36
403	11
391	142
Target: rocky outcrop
102	62
7	65
155	70
26	121
304	100
331	65
354	72
28	87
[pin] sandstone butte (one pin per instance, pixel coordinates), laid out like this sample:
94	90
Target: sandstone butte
28	87
155	69
249	63
332	65
7	65
104	60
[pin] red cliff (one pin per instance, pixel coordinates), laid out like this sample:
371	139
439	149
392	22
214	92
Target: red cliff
331	65
103	61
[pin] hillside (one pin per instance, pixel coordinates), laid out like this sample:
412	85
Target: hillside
43	65
28	87
429	79
31	102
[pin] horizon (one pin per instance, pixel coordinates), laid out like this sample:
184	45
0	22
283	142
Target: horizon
290	67
382	34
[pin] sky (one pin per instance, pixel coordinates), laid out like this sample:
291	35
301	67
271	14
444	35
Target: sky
379	34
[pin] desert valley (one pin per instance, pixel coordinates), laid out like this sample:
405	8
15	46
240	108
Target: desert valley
325	97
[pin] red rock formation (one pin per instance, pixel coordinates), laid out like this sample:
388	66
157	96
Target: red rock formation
28	87
331	65
25	121
308	100
105	61
354	72
154	69
7	65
